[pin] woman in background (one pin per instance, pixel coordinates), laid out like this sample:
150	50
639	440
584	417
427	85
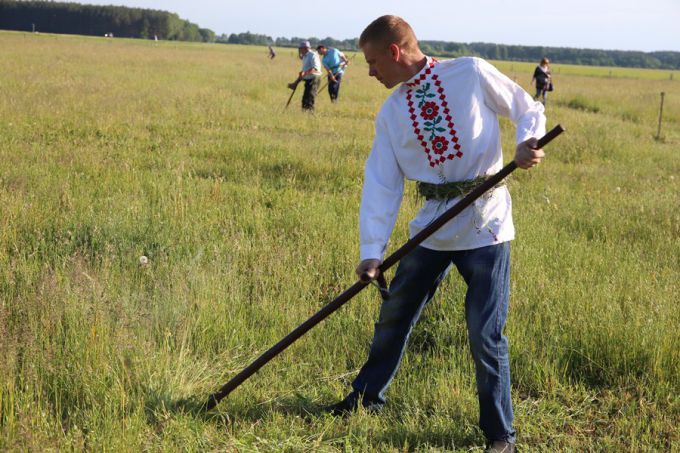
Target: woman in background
543	80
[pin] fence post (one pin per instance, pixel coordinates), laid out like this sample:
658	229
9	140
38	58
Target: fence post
658	131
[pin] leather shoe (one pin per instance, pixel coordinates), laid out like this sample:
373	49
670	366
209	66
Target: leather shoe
351	404
500	446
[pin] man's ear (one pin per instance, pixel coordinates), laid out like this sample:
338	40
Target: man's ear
395	51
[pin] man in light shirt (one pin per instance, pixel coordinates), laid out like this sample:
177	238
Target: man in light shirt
310	75
335	63
439	127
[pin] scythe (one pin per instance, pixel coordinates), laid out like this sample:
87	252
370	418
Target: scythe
364	281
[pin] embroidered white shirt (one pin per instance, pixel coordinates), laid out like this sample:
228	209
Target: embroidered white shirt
442	126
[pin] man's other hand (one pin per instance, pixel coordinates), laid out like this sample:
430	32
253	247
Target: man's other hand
369	267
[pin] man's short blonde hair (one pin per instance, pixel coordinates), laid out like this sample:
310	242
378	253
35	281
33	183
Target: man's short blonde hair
386	30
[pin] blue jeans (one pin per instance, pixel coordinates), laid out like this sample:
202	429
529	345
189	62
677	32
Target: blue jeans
486	272
334	87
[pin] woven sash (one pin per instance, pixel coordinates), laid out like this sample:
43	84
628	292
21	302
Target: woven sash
450	189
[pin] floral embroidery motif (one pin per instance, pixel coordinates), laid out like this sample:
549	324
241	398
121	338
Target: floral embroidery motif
436	133
439	145
429	110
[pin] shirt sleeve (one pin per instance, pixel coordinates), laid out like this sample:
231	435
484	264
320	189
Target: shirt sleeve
508	99
381	196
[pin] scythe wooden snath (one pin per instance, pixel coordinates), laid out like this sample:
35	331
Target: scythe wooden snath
293	86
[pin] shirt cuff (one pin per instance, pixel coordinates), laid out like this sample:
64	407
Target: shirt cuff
371	251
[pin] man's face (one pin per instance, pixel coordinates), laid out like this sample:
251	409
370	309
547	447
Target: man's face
302	51
323	50
382	64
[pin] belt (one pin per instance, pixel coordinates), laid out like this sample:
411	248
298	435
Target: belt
450	189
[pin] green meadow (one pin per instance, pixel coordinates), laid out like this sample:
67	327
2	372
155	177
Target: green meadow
113	149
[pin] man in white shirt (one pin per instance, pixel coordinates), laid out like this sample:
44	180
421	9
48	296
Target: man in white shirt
310	75
440	127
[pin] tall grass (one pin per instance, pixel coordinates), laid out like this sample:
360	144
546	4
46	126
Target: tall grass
114	149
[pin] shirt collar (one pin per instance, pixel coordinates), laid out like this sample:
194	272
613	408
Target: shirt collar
420	75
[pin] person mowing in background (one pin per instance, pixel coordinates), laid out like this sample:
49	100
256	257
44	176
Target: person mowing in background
310	74
543	78
334	62
439	127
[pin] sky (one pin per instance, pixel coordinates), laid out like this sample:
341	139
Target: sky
646	25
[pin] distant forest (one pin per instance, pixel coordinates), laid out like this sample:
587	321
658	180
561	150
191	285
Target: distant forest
565	55
74	18
77	19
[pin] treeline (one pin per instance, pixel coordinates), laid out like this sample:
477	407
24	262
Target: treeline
73	18
565	55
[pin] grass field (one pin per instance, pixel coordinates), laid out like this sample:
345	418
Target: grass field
111	149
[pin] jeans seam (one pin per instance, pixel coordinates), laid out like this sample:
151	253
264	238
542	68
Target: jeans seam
498	336
504	305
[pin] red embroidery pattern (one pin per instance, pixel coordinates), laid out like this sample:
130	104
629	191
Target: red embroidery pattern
431	100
